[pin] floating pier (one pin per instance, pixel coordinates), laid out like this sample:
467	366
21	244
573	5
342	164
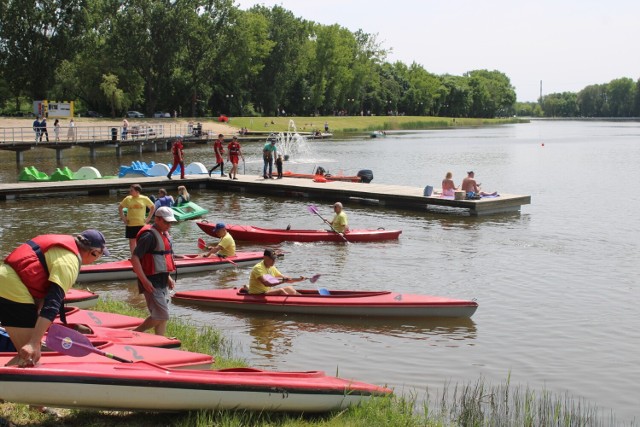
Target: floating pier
396	196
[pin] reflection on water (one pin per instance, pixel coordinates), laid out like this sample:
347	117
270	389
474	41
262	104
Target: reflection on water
568	260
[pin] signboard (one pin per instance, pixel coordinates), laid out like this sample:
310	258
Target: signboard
46	108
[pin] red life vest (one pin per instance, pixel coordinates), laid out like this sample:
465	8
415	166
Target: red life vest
160	260
29	263
219	146
177	147
234	148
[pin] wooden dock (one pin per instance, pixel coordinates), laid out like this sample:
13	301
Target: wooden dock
396	196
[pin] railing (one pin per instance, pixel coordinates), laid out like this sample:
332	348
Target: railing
146	131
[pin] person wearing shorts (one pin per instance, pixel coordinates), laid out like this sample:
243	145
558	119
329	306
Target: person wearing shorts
34	279
235	153
153	264
136	216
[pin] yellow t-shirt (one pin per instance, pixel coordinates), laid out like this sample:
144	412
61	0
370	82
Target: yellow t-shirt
259	270
340	222
228	246
64	267
136	209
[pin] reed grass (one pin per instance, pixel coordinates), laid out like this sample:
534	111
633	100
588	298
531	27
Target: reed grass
360	124
475	404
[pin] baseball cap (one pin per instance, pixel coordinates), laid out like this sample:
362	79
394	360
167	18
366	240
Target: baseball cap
219	226
95	239
166	214
271	254
178	136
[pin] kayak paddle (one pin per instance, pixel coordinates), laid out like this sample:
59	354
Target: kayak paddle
73	343
313	279
314	210
203	245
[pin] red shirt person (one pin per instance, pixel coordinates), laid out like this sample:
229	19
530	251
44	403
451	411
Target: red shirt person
218	148
178	157
235	153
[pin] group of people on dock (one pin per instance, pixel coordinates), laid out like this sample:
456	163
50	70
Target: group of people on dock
41	131
469	185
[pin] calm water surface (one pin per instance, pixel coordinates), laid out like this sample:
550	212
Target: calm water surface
556	283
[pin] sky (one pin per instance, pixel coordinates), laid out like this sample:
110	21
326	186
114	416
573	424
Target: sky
565	44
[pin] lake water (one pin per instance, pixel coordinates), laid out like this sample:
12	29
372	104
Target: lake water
557	283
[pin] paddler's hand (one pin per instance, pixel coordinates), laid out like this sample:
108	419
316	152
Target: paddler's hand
29	355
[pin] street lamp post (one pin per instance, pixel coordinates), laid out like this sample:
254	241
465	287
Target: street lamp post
230	103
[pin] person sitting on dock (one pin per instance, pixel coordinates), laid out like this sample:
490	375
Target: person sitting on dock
469	185
258	279
448	186
183	196
163	199
226	247
34	279
339	223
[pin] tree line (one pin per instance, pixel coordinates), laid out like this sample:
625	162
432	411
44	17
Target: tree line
618	98
209	58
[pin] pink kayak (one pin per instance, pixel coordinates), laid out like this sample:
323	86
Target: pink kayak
80	298
186	264
162	356
99	318
337	303
275	235
144	387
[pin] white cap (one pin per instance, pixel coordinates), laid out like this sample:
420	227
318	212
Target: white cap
165	213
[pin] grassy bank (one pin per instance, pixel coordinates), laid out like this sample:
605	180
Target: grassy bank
473	404
357	124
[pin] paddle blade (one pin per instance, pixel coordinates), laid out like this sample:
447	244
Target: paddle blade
314	278
74	344
324	291
202	244
313	209
67	341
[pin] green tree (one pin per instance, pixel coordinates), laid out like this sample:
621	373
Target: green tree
621	95
115	95
285	61
35	36
491	92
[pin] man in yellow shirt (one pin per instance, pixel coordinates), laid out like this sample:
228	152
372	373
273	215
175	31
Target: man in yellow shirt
34	279
258	279
136	216
339	222
226	247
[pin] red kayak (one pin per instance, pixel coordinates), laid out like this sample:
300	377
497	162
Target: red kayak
322	177
161	356
99	318
336	303
80	298
274	235
191	263
144	387
125	336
